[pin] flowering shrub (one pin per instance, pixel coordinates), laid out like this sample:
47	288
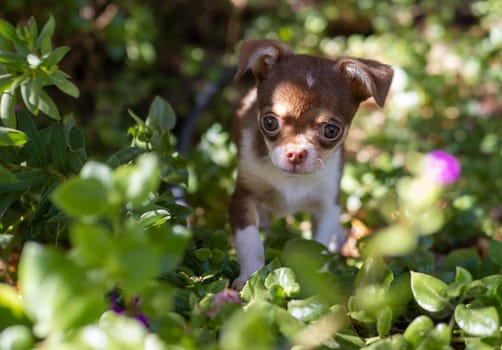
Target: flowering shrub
108	261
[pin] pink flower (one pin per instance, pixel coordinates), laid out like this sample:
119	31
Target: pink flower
442	167
226	296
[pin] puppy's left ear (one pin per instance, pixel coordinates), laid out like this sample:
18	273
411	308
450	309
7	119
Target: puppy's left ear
367	78
259	55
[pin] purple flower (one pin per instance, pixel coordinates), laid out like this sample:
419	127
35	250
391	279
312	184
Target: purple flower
134	309
226	296
442	167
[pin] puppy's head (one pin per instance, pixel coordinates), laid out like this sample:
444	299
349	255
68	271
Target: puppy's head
306	103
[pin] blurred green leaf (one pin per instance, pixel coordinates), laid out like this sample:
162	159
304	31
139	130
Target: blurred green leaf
384	321
417	330
495	252
138	181
44	39
92	245
478	322
8	31
124	156
7	115
51	283
374	271
248	330
6	177
11	307
429	292
26	179
52	58
309	309
81	197
284	278
12	137
161	115
16	337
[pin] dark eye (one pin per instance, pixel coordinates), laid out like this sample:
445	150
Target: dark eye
270	123
331	131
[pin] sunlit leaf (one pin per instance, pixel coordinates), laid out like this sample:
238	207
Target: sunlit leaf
7	103
51	283
418	329
429	292
81	197
12	137
479	322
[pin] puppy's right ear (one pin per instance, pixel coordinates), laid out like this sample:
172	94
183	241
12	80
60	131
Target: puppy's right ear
259	55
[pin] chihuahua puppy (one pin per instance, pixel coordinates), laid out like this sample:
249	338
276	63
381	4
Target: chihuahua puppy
289	135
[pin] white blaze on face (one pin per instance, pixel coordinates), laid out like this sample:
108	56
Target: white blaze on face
310	80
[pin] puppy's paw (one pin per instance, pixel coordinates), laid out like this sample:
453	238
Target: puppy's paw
239	283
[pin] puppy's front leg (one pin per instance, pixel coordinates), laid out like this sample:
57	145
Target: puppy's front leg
243	213
328	229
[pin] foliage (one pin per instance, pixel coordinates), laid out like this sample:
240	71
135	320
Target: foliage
110	257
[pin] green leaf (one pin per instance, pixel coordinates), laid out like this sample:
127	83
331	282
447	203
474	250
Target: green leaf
462	279
384	320
249	330
374	271
479	322
47	106
56	293
98	171
254	289
6	177
43	43
124	156
495	252
17	337
34	148
30	92
92	245
54	57
81	197
7	103
285	278
58	149
6	81
63	84
467	258
161	115
11	307
26	179
463	276
8	32
138	181
309	309
417	330
478	344
438	338
429	292
12	137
